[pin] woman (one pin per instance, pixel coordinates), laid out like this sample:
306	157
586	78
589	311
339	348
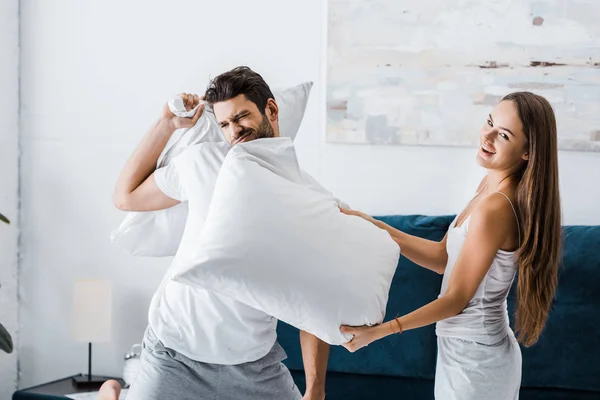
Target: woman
512	223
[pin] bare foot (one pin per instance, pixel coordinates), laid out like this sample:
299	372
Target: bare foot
110	390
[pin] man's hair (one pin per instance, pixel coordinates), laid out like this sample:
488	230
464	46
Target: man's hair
240	80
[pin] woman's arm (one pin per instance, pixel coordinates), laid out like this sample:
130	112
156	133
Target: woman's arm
426	253
488	229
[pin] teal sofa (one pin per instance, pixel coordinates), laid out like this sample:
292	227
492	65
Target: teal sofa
564	364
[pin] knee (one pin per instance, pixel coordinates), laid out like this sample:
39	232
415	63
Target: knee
109	390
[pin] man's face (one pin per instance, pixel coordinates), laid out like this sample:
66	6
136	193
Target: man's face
241	121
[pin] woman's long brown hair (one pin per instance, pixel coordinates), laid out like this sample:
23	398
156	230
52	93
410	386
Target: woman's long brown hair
538	200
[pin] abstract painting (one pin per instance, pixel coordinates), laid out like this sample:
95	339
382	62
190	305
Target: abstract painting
428	72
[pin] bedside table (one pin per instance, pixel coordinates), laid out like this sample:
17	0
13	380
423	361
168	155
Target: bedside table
55	390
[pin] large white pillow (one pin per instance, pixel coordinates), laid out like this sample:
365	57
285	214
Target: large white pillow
273	242
158	233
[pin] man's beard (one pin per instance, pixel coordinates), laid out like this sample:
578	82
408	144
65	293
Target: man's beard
264	130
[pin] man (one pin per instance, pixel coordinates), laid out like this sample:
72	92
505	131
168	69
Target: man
200	345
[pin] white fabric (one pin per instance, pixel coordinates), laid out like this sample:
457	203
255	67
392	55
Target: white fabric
478	355
467	370
292	105
274	243
177	107
485	319
181	175
158	233
206	130
199	324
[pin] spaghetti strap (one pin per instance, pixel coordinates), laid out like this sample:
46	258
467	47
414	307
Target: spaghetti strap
515	212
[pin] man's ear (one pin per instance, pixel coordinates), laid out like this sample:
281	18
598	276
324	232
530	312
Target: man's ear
272	110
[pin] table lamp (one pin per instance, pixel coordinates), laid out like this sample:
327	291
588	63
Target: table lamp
91	322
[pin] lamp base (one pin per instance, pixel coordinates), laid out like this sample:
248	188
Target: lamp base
90	382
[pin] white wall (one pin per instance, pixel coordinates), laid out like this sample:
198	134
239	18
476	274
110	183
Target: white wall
9	181
94	76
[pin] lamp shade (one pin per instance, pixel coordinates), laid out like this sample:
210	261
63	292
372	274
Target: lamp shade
92	310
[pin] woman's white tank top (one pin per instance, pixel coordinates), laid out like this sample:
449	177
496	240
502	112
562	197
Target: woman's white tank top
485	319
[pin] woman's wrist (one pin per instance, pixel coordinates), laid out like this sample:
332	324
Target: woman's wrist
393	327
385	329
382	331
382	225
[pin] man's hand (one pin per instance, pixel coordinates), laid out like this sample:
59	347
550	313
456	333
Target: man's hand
190	101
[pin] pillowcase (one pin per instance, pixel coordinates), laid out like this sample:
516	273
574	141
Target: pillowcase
292	105
158	233
274	243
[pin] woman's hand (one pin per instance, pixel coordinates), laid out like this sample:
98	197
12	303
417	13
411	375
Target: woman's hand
363	336
360	214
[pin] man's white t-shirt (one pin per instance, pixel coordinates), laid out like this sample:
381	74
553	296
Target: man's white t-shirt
202	325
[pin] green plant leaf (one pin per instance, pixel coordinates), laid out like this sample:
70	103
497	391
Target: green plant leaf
4	219
6	343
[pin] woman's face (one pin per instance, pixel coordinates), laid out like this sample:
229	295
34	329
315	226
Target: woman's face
502	143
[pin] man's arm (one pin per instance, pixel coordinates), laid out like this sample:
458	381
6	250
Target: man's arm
136	189
315	354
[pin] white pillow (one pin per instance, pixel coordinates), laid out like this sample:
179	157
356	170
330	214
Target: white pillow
274	243
292	104
158	233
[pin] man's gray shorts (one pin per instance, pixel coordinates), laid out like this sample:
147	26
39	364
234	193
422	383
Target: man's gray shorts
165	374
